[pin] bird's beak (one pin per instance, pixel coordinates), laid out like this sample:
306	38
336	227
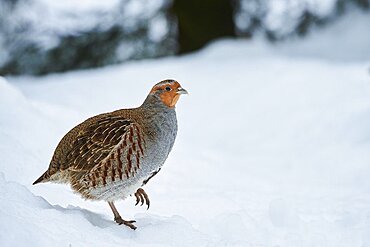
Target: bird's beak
180	90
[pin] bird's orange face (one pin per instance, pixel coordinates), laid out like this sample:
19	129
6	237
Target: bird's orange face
169	92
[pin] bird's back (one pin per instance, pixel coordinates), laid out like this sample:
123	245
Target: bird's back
85	145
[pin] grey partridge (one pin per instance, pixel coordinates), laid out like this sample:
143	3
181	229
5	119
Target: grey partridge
113	155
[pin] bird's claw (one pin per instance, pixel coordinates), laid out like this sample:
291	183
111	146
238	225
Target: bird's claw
128	223
142	197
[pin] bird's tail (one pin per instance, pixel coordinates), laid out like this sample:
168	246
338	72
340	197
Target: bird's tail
44	178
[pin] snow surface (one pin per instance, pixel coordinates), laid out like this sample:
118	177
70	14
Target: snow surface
272	150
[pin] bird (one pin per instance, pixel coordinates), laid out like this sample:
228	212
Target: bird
111	156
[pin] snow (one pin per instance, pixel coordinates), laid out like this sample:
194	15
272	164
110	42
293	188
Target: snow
81	5
339	42
272	149
71	17
34	29
282	17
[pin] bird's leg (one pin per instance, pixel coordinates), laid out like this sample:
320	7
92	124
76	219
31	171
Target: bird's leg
142	197
119	220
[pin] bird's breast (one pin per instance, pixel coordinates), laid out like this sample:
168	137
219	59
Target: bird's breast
164	129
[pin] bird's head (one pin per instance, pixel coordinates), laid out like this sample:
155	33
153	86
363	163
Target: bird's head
168	91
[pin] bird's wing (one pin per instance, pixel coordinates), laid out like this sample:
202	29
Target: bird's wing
122	162
86	145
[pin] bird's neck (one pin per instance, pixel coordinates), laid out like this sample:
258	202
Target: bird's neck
154	102
160	117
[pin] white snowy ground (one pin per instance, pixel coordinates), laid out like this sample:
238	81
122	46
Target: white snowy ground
272	150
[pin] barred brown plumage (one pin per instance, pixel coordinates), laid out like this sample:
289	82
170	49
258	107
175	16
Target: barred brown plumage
112	155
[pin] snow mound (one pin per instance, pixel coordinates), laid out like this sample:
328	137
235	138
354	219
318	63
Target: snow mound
36	221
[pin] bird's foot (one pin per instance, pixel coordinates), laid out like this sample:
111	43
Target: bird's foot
128	223
142	197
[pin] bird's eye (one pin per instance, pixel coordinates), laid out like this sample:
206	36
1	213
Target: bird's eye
168	89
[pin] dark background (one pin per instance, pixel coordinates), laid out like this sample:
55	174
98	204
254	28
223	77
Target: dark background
35	46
